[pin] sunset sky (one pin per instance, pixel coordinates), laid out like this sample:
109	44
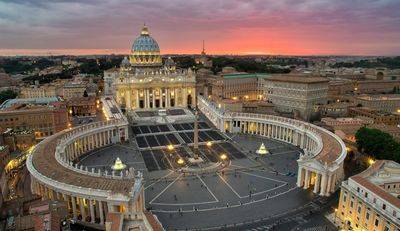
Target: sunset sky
286	27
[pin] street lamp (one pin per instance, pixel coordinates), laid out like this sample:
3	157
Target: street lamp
371	161
209	144
170	147
223	157
180	161
335	215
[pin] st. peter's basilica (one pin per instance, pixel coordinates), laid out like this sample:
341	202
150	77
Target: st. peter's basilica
145	82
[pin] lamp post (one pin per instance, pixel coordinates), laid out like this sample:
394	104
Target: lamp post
170	147
223	157
180	161
335	216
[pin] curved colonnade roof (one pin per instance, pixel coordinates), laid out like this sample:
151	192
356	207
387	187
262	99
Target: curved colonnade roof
44	161
331	149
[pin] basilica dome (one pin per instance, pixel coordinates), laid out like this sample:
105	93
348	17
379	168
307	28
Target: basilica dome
145	50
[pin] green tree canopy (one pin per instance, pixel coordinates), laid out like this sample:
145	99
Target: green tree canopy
7	94
378	144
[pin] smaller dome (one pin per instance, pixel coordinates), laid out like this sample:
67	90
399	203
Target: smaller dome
169	62
125	64
125	61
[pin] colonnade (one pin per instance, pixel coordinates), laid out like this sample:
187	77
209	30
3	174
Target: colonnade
77	147
320	166
86	209
323	183
274	131
85	201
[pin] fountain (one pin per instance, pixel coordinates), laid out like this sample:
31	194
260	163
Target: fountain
262	150
118	165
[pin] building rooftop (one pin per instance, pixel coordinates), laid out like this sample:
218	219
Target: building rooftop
378	174
379	97
297	78
30	101
45	162
244	75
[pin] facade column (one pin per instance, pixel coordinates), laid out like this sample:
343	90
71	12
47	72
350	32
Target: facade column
147	98
153	98
167	96
128	99
137	99
323	184
316	184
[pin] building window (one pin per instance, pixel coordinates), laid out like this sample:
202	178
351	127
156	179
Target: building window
359	209
376	222
351	204
383	206
367	216
366	195
344	198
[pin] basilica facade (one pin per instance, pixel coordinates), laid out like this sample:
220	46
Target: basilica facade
146	82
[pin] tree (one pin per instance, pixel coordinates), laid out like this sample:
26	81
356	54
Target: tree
378	144
7	94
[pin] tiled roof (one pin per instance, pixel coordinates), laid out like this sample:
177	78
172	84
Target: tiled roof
297	79
153	222
363	179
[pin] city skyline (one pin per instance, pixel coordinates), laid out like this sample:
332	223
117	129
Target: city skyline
238	27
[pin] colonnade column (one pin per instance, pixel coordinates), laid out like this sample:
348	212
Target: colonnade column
91	207
300	177
323	184
101	212
82	208
307	179
73	201
328	186
316	184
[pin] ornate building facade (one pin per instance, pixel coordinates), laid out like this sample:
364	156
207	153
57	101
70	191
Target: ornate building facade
145	82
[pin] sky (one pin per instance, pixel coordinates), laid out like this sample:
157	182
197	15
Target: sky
276	27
